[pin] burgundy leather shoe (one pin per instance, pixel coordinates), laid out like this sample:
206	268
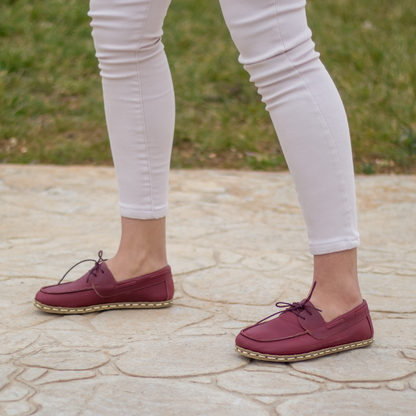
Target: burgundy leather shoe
97	291
300	333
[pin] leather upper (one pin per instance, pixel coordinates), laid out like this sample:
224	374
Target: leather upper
101	287
105	285
306	330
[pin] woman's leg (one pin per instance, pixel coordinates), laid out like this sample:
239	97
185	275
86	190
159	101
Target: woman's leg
276	49
140	111
142	248
337	290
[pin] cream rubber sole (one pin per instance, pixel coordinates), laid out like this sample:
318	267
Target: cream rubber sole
103	307
305	356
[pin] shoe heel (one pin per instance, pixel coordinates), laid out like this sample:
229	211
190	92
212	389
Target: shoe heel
159	292
170	288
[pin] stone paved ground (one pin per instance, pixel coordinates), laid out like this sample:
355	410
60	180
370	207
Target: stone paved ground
237	244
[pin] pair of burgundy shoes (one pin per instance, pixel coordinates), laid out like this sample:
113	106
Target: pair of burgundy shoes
298	332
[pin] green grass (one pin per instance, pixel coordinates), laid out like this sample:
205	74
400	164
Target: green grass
51	108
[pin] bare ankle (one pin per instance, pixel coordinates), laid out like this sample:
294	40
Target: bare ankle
334	304
142	248
337	289
124	268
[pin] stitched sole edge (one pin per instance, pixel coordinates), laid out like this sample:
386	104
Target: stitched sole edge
103	307
305	356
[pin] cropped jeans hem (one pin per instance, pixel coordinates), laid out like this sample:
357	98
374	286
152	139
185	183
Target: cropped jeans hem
138	214
333	247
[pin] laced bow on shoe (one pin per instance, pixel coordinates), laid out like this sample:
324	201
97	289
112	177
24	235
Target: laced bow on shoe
94	270
297	307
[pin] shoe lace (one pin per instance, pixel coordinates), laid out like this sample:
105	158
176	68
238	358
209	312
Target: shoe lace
94	270
296	307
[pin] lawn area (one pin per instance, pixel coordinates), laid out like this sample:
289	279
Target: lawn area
51	108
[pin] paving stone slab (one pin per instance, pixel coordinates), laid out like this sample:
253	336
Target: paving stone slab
263	237
65	359
409	353
364	385
5	359
250	314
401	297
6	370
13	392
17	341
181	356
72	323
396	385
330	386
32	374
23	316
257	365
90	339
373	284
115	352
306	376
233	286
387	304
59	376
365	364
108	370
198	330
186	258
394	333
142	396
147	323
200	379
351	402
18	409
266	261
265	383
266	399
229	257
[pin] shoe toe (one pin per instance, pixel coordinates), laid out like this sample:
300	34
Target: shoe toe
242	341
62	294
43	297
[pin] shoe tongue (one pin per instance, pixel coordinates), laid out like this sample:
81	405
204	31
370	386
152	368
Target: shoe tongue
313	319
311	307
106	270
104	266
293	316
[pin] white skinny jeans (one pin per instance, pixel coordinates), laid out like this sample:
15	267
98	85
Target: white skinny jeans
276	49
